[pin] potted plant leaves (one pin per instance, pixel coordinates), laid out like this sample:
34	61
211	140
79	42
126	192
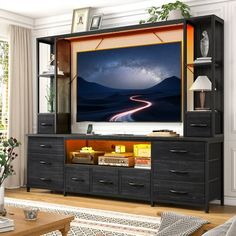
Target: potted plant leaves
169	11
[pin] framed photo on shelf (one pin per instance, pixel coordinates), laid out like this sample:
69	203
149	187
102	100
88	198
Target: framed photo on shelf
96	22
80	20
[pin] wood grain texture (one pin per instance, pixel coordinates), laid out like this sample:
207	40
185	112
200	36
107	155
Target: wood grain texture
46	222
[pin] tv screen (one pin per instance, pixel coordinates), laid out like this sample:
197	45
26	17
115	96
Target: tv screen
132	84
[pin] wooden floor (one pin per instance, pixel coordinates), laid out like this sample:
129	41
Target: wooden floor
217	215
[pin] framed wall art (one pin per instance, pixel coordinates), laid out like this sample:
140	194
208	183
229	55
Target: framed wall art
96	22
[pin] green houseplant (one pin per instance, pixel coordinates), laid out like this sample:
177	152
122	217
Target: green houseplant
7	155
163	12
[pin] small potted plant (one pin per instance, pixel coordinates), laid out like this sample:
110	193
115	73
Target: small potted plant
7	155
168	11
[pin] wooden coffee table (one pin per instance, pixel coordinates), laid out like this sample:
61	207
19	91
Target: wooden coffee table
46	222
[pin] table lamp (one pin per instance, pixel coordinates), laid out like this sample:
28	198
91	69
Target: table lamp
202	84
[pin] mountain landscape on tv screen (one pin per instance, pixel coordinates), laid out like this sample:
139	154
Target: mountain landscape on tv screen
138	84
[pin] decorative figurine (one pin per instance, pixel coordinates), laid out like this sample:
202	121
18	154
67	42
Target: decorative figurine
204	45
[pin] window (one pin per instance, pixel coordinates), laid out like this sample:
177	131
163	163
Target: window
4	54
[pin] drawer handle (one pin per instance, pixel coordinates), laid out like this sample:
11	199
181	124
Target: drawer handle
45	145
77	179
45	124
198	125
105	182
182	172
178	192
45	179
136	184
178	151
45	163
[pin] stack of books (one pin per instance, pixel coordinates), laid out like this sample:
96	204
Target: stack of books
200	60
142	162
6	224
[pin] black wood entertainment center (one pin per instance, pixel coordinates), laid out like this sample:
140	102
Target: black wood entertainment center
184	170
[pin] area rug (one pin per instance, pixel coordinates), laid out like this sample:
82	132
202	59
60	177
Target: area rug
93	222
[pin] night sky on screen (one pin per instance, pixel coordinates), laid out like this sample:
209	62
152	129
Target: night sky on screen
138	67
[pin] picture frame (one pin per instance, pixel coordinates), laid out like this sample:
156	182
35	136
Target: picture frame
80	20
96	22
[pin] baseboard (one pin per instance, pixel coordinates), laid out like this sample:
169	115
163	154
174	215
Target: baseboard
231	201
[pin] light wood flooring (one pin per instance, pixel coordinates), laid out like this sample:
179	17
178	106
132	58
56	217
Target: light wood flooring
218	214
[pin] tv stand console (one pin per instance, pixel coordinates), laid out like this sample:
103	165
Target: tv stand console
184	170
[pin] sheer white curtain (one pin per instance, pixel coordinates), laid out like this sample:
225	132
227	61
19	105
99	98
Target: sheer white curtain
20	98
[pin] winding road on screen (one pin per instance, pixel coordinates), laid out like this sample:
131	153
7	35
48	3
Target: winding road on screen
126	116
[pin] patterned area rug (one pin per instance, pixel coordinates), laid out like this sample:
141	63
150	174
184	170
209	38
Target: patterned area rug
93	222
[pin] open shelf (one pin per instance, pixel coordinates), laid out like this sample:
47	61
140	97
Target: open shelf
203	64
103	146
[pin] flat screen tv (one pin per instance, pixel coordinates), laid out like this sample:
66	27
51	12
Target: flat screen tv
132	84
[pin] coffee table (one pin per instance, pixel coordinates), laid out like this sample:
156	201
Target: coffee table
46	222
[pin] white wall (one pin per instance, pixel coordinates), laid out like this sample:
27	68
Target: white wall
131	14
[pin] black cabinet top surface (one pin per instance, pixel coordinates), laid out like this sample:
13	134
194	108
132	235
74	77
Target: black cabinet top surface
129	137
192	20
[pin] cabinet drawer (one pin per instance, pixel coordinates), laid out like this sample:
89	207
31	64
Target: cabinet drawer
46	123
105	180
46	159
185	151
46	145
198	124
47	168
181	192
77	179
135	184
53	181
178	170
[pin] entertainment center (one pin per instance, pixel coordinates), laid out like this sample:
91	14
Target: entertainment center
85	80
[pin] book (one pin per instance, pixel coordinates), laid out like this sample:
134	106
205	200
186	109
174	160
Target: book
142	167
203	58
114	154
6	229
200	60
6	224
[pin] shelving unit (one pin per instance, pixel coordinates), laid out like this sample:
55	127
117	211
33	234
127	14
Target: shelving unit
53	87
184	170
207	123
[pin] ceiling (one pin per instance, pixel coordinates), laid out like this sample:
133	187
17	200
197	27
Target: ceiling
44	8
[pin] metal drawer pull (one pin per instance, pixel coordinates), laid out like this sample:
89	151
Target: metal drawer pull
198	125
182	172
178	192
45	124
136	184
45	163
77	179
105	182
178	151
45	146
45	179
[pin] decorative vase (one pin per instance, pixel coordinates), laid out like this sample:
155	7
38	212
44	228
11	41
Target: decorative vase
174	15
2	195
